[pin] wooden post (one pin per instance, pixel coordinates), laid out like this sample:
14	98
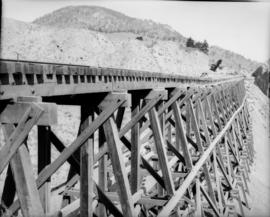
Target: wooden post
102	172
211	116
195	127
160	145
180	130
162	118
198	200
169	134
44	159
216	112
86	165
119	117
67	199
196	112
177	140
228	160
222	103
188	122
226	102
112	137
163	128
9	189
135	146
24	179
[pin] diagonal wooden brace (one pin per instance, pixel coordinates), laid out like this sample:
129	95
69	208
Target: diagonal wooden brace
68	151
160	146
117	160
182	135
13	113
19	134
26	188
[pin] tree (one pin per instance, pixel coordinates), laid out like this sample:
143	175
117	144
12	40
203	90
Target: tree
190	43
204	47
198	45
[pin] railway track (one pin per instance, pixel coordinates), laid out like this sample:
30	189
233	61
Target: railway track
20	78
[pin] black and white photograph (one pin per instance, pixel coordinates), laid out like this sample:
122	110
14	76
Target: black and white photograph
134	108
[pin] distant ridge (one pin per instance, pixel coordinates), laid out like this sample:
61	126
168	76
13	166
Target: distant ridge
233	60
109	21
106	20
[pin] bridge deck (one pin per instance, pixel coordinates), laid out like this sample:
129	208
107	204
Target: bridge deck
28	78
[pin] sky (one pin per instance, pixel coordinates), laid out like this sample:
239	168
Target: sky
243	27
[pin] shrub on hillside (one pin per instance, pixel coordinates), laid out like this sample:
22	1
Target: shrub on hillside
108	21
202	46
190	42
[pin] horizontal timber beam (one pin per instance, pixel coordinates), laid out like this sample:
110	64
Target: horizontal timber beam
29	78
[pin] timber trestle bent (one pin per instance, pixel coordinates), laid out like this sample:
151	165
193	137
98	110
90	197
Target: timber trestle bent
148	144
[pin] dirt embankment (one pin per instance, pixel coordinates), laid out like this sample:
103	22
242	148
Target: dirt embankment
259	185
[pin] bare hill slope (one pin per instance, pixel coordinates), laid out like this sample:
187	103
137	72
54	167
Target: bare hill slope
97	23
232	60
88	47
109	21
106	20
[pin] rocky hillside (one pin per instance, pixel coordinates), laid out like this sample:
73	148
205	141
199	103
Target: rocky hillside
232	60
108	21
99	36
32	41
105	20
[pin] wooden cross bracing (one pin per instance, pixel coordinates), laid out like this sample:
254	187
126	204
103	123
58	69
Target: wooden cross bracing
161	152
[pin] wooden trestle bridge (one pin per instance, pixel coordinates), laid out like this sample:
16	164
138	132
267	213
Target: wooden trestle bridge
149	144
